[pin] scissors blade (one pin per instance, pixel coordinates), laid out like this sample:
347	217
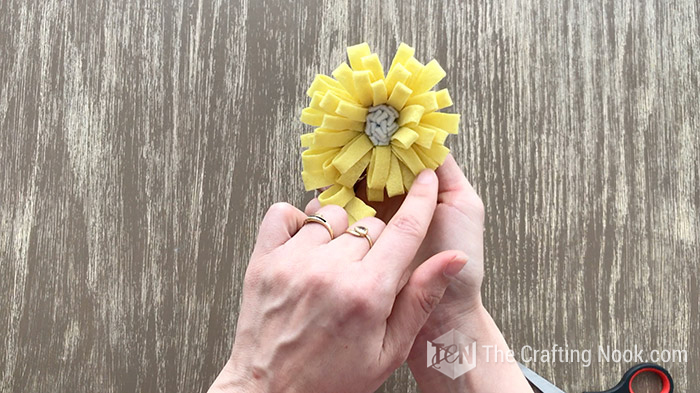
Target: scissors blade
540	383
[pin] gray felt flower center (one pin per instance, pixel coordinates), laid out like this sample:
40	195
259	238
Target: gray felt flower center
381	124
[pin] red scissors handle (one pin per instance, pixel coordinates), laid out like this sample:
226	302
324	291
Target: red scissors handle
625	385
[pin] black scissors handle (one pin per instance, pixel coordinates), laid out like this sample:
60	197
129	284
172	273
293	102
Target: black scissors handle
625	385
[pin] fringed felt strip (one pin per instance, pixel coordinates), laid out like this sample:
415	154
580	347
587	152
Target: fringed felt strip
404	138
356	149
399	96
352	175
446	121
381	160
336	195
394	184
357	209
373	65
409	158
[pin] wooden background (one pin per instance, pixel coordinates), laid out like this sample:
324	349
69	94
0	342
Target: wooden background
141	143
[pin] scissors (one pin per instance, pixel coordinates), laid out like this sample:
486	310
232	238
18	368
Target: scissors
625	385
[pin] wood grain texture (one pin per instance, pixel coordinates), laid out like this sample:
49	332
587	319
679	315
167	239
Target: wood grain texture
141	143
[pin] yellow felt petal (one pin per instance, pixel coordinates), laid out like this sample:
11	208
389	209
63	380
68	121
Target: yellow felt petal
341	123
427	100
429	76
425	135
409	158
316	100
324	83
407	176
317	85
336	195
358	209
404	137
312	117
329	102
394	184
315	180
370	169
351	111
329	171
379	167
356	53
363	87
379	93
410	115
440	136
352	153
343	73
437	152
414	67
334	84
332	138
443	99
373	65
399	96
446	121
403	53
426	158
307	139
352	175
312	160
374	195
397	73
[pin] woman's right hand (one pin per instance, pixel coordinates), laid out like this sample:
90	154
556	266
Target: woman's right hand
334	315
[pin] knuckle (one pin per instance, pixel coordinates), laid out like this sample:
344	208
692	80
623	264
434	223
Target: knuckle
361	304
334	211
359	301
316	282
408	225
312	206
278	277
373	282
282	209
373	222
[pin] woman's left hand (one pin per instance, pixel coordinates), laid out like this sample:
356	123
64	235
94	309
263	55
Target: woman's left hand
334	315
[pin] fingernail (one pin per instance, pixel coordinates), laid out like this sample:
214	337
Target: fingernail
455	266
426	177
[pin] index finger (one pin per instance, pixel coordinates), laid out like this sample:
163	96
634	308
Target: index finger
397	246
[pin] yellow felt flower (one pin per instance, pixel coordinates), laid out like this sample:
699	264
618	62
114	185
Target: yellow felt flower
384	126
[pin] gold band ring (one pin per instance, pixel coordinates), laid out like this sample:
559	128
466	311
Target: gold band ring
361	231
318	219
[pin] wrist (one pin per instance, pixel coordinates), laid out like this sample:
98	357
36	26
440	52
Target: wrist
489	374
231	379
475	323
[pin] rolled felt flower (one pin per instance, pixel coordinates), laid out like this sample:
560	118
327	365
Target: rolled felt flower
386	127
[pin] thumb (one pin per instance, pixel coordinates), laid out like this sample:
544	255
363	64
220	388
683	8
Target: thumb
417	300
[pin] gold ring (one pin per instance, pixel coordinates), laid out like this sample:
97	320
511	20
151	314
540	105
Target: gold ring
361	231
318	219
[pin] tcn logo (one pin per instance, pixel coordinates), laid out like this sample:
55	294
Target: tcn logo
452	354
